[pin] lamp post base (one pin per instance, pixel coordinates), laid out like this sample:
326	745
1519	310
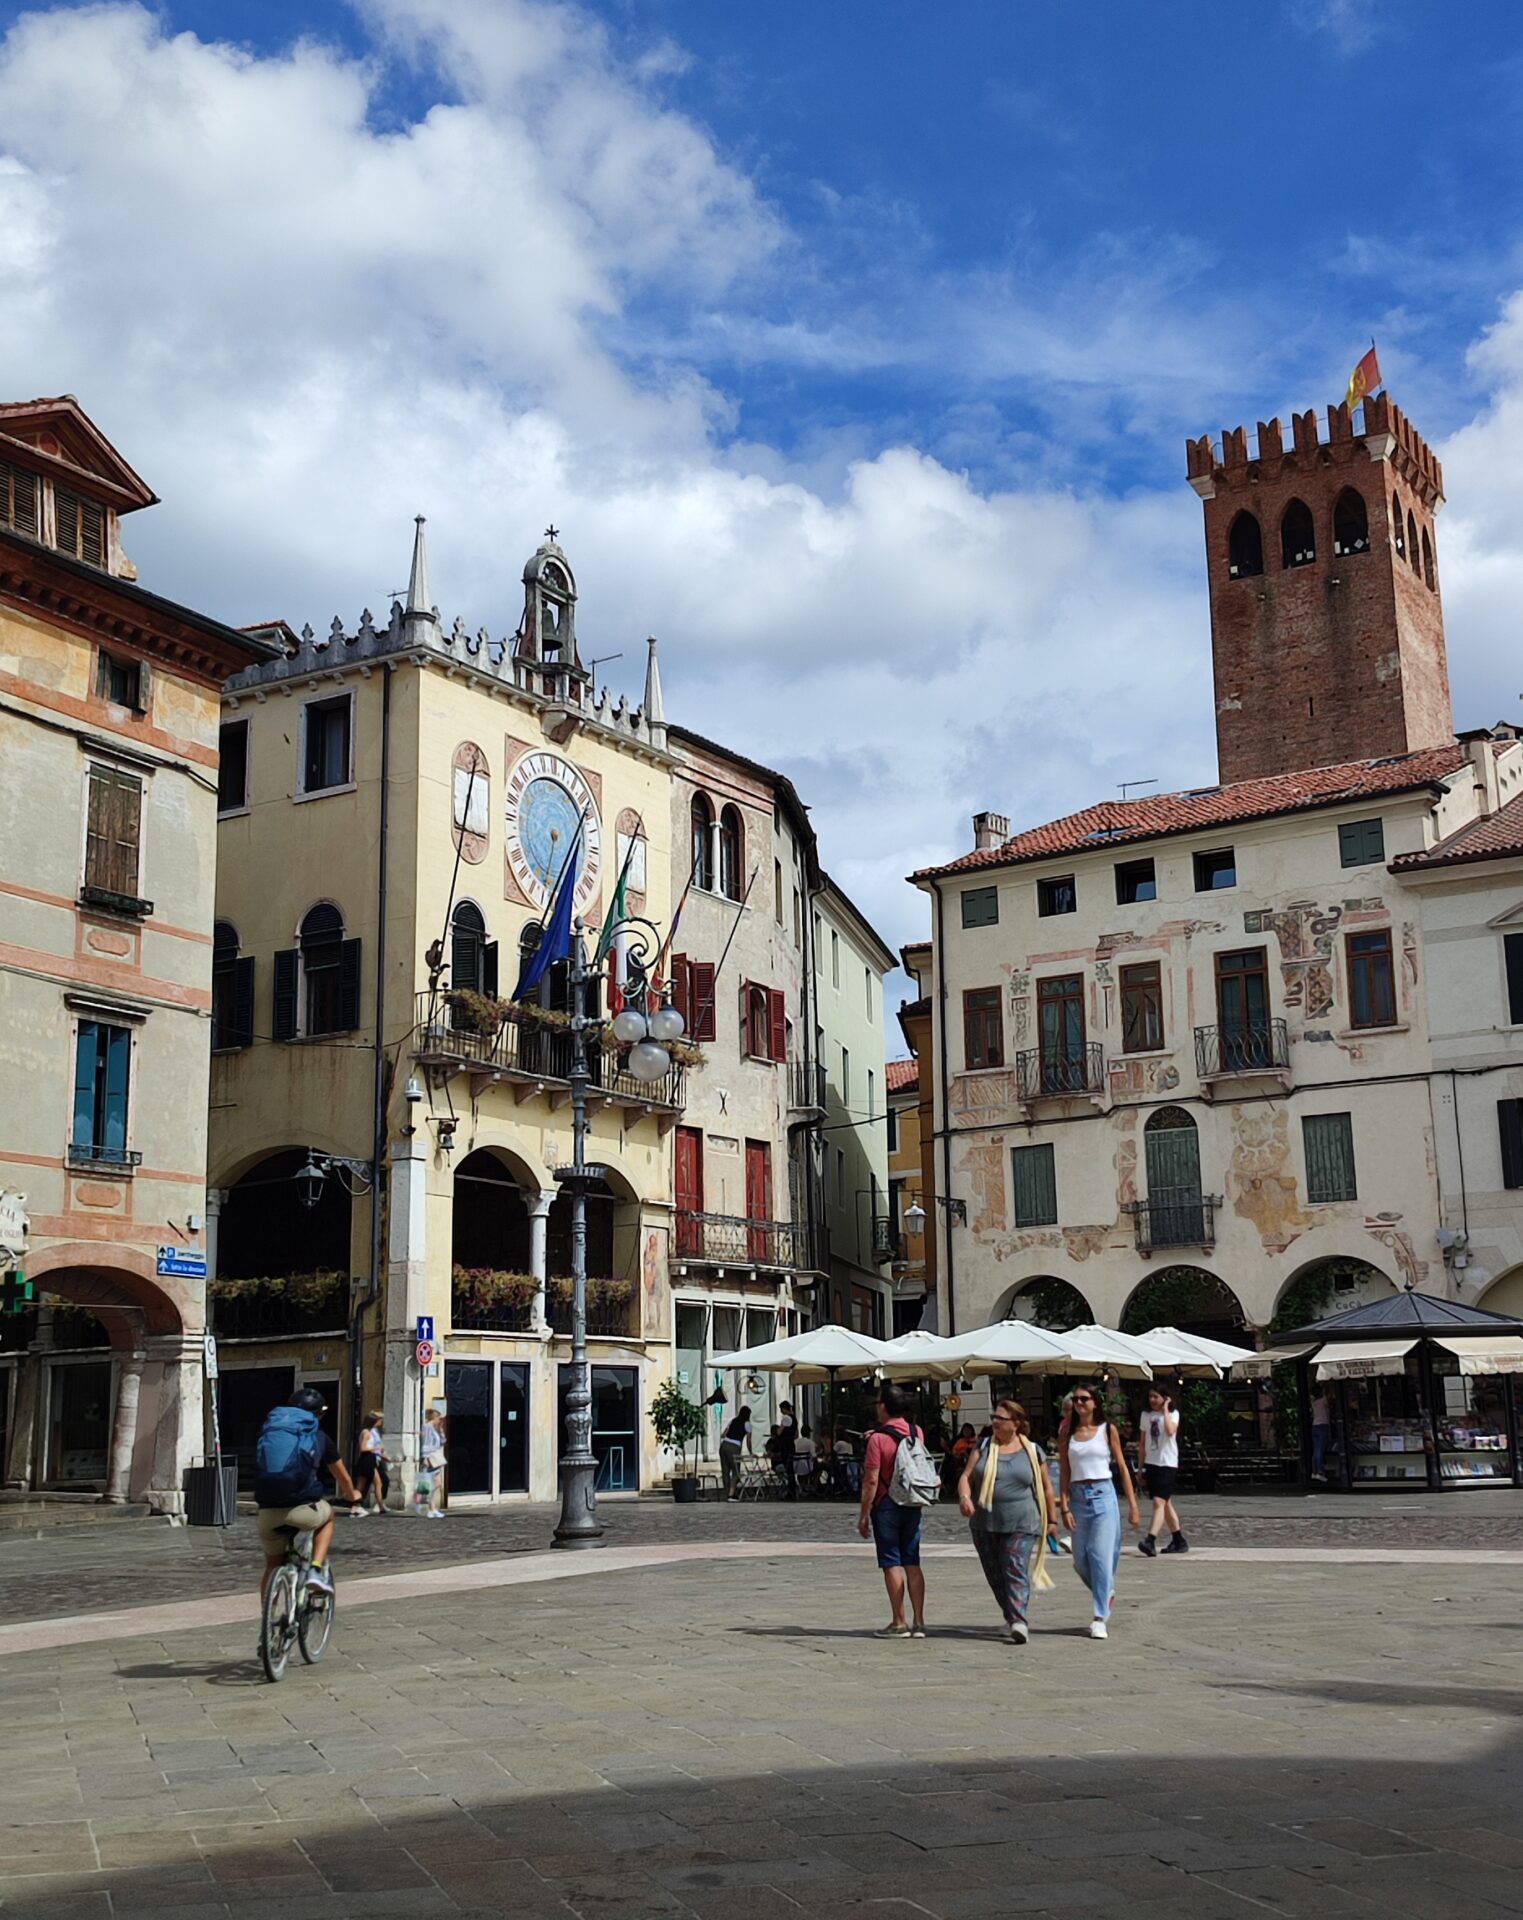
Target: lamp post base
578	1526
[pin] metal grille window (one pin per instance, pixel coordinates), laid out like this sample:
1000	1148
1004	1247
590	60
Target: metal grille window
1329	1141
1036	1187
982	1032
1361	843
81	527
18	500
1141	1008
1371	980
980	907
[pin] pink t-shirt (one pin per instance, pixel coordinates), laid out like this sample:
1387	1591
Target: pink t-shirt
881	1451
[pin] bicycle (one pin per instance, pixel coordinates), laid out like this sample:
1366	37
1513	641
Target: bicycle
295	1612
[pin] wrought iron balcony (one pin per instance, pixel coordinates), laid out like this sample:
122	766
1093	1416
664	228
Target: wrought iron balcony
490	1316
1225	1052
728	1239
1175	1219
885	1240
1050	1073
525	1051
806	1087
611	1308
274	1313
87	1157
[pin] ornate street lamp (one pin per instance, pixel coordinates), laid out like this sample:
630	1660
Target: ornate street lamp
356	1176
649	1038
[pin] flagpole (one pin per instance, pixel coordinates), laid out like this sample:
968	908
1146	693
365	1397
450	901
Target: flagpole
735	928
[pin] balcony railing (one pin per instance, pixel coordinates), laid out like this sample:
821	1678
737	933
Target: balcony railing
1175	1219
729	1239
269	1313
491	1316
611	1308
1043	1073
445	1036
885	1240
86	1156
806	1087
1260	1047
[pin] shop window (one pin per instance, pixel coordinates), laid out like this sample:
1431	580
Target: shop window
1141	1008
1351	523
1371	980
79	527
317	983
983	1038
102	1071
1245	547
1298	536
1361	843
113	831
1329	1140
1215	871
232	991
1135	880
980	907
1057	896
1036	1186
233	766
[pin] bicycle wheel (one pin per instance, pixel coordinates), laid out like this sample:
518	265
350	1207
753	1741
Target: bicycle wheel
314	1624
279	1626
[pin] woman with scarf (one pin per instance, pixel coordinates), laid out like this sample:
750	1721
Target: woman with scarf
1003	1492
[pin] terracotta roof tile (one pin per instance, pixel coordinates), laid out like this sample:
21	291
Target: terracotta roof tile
902	1074
1499	837
1150	816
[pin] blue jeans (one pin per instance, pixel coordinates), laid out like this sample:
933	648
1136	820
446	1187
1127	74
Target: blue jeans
1097	1539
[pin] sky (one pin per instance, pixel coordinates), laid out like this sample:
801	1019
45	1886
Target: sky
852	348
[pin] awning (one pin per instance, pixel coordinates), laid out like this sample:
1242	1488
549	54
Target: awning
1482	1353
1257	1366
1354	1359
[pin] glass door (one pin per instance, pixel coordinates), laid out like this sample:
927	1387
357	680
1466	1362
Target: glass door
468	1425
79	1421
512	1427
1242	1010
615	1426
1060	1020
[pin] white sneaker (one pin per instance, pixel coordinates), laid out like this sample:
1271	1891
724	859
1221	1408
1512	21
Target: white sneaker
1098	1630
1017	1634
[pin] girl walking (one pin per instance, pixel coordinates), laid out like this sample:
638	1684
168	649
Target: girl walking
373	1467
430	1483
1003	1492
1158	1435
1093	1467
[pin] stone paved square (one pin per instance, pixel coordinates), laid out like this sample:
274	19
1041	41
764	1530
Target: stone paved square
721	1736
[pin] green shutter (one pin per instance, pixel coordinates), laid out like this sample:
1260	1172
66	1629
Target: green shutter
1329	1141
980	907
114	1113
1036	1190
85	1066
1361	843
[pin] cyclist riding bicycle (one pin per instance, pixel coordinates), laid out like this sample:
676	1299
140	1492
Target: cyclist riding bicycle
293	1453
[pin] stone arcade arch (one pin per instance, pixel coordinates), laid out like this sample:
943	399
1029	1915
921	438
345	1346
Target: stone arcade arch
1047	1302
1189	1298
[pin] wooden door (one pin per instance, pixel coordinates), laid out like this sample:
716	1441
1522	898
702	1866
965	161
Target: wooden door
689	1190
1175	1205
758	1197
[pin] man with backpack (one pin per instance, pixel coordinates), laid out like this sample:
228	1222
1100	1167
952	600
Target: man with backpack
292	1455
899	1481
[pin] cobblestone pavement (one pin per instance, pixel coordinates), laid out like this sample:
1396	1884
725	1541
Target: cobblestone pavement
723	1739
85	1570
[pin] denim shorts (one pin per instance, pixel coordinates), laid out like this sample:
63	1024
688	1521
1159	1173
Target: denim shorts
896	1533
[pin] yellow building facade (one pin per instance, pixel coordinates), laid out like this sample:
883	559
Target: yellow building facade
386	1119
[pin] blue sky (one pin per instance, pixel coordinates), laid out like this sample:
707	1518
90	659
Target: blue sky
852	346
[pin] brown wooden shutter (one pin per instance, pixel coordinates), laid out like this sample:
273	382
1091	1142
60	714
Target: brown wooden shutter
97	838
777	1024
126	829
681	991
701	991
18	500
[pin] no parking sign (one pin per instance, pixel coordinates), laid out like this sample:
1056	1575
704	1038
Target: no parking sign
425	1353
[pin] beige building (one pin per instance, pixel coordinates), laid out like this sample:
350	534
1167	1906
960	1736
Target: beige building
108	739
850	961
387	1120
747	1247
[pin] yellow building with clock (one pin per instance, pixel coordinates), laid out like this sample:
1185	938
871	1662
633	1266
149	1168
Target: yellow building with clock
395	806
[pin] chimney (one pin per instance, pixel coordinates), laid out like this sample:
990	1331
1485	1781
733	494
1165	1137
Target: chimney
990	830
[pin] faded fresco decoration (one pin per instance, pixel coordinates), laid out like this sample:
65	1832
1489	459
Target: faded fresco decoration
1260	1180
1385	1227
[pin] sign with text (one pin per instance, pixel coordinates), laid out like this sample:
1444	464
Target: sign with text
181	1263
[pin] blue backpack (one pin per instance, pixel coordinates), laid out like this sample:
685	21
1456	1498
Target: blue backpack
286	1458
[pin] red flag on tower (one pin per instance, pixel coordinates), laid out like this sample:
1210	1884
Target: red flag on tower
1364	379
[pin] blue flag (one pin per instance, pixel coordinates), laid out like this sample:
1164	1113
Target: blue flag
556	941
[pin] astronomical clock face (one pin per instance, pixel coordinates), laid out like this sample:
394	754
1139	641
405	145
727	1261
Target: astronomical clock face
547	798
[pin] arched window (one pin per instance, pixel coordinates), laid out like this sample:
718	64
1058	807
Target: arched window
1427	558
232	992
473	958
326	1005
1398	521
1412	560
731	852
1298	536
1245	547
703	844
1176	1210
758	1027
1351	523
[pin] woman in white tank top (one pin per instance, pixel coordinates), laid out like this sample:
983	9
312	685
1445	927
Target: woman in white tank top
1093	1466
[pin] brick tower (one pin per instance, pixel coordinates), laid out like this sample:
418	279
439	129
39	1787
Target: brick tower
1327	633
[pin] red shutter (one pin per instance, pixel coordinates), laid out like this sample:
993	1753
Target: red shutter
777	1025
745	1018
681	992
701	989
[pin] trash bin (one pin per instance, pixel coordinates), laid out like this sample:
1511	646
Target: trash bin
203	1508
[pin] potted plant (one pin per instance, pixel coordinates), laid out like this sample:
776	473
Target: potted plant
679	1425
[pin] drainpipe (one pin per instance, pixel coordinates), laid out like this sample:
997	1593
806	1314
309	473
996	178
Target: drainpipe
378	1142
948	1265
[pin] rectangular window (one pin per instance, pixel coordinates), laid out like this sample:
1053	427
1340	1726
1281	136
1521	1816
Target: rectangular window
112	831
1329	1139
232	1001
1361	843
1036	1187
867	991
1135	880
80	527
1215	871
983	1035
980	907
819	949
326	760
835	958
1371	980
1242	1010
893	1129
1512	953
845	1078
840	1177
1510	1127
798	921
777	890
233	766
1141	1008
102	1065
872	1093
19	495
1057	896
119	681
1060	1030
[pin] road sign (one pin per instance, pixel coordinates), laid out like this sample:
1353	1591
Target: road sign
425	1329
183	1263
425	1353
209	1357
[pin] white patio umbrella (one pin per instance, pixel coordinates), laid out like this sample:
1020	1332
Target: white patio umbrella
1008	1346
919	1355
1191	1353
823	1353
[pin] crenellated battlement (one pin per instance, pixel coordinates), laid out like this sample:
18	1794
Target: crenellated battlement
1377	427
